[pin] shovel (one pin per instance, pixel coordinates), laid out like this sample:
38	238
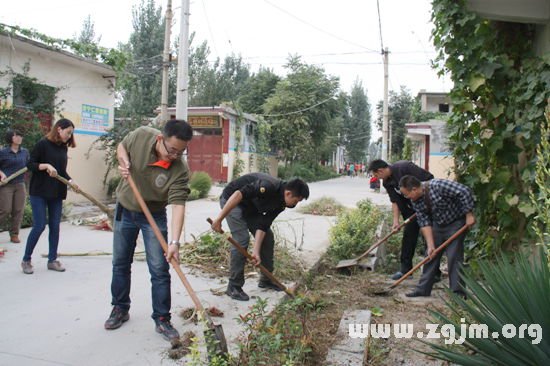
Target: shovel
345	263
101	206
215	338
13	176
424	261
264	270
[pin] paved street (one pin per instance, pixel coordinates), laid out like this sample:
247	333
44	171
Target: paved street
51	318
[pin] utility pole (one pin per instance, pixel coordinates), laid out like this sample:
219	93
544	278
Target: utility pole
385	109
389	139
166	64
182	95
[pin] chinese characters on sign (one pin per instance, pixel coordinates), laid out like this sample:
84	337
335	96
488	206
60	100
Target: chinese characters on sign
204	121
94	120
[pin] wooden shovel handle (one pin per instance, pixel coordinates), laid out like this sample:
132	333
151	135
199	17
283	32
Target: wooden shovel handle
375	245
101	206
164	245
13	176
429	258
264	270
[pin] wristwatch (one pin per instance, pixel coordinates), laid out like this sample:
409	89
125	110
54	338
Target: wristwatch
174	242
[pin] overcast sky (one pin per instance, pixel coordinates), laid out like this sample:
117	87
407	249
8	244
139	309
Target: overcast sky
341	36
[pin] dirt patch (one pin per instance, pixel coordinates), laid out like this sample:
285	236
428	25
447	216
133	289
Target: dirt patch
353	291
181	347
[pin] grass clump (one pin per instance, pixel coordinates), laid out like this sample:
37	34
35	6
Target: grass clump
324	206
201	182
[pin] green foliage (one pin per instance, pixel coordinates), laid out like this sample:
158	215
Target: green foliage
541	201
512	294
193	195
27	218
115	58
400	108
499	97
354	231
87	38
325	206
140	84
257	89
38	103
357	124
201	182
279	338
307	171
109	141
300	111
112	185
406	154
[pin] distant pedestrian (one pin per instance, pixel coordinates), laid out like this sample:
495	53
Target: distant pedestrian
48	159
351	170
12	195
250	204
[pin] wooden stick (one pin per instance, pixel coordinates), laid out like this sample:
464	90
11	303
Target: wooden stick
264	270
101	206
13	176
164	245
429	258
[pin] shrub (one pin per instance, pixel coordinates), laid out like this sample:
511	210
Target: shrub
514	294
193	195
307	172
112	185
324	206
27	218
354	231
201	182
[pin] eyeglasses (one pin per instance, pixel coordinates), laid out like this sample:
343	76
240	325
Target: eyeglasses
172	151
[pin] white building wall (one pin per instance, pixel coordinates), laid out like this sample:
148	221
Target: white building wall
81	83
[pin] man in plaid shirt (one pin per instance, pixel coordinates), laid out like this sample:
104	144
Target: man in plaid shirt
442	207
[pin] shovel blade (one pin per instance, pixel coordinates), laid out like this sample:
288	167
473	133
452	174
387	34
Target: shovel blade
347	263
216	344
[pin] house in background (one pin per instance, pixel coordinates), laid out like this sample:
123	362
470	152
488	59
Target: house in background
213	148
429	138
86	89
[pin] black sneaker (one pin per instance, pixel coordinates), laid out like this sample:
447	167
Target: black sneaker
117	317
269	285
237	293
397	275
165	328
416	293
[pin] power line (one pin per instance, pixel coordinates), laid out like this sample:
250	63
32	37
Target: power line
298	111
380	26
318	28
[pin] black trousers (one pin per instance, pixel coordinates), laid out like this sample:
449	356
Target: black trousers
240	231
408	245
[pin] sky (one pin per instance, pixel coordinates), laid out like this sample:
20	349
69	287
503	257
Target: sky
341	36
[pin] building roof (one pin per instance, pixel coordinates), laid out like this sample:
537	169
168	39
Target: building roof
14	40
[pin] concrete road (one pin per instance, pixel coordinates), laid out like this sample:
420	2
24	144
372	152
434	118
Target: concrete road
51	318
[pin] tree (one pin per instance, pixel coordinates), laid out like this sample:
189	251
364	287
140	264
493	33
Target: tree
300	111
87	36
257	89
140	85
400	108
357	124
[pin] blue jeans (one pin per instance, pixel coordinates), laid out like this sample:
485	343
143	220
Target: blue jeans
126	230
39	207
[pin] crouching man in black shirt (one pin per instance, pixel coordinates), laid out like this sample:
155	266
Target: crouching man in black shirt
250	204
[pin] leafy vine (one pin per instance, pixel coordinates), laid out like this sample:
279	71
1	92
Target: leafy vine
499	98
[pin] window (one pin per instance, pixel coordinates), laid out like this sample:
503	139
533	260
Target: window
444	108
38	99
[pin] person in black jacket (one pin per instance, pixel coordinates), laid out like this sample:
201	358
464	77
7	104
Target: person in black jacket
391	175
250	204
48	159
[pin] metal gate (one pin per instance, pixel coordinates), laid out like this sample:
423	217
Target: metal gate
204	153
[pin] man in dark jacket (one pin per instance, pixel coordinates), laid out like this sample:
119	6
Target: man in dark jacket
390	175
250	204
